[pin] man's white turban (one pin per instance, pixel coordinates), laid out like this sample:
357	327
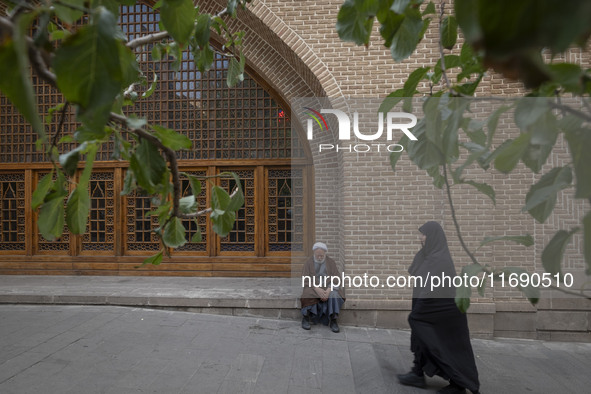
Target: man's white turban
320	245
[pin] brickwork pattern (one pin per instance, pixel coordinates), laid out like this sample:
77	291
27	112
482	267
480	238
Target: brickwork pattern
368	214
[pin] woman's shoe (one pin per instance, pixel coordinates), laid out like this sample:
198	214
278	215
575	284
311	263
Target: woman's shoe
411	379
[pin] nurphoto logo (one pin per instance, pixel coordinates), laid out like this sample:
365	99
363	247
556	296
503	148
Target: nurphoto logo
395	122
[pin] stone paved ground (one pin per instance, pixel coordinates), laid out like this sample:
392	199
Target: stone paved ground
109	349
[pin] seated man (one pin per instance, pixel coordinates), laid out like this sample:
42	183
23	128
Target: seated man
319	302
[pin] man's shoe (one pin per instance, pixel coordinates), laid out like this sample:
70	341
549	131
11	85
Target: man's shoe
452	389
334	327
412	379
306	323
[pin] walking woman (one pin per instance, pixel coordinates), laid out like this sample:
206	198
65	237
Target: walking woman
440	339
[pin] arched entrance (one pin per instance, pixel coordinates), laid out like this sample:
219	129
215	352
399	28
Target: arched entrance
245	129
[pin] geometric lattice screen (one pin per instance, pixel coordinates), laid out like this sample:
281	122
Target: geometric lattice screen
241	129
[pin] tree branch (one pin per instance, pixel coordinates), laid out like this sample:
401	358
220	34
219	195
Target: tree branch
203	212
155	37
455	219
61	124
35	55
150	38
441	54
573	111
170	156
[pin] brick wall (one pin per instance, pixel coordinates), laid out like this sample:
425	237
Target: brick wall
368	214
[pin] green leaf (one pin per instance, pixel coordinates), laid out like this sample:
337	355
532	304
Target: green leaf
203	58
223	221
174	233
525	240
235	71
553	252
529	109
399	6
485	189
133	122
569	76
424	153
15	82
466	12
579	143
508	155
69	14
195	184
196	238
407	36
412	81
355	20
532	293
202	32
140	174
467	55
129	66
232	7
42	189
153	260
77	210
493	121
438	179
152	88
187	204
434	110
463	294
148	165
178	18
544	133
51	219
84	134
237	200
172	139
69	161
90	156
541	198
390	22
391	100
430	9
220	199
129	183
89	69
449	32
78	205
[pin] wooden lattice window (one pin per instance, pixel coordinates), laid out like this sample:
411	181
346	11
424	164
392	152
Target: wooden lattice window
12	211
59	246
242	129
201	221
139	226
242	122
100	230
242	237
285	207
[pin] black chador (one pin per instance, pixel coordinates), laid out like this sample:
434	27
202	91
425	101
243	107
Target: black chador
440	339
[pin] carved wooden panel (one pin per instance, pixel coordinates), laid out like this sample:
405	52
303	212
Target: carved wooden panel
242	236
12	211
139	235
285	205
100	234
201	221
59	246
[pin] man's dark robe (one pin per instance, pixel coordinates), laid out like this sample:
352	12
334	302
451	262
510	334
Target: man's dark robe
440	338
309	296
